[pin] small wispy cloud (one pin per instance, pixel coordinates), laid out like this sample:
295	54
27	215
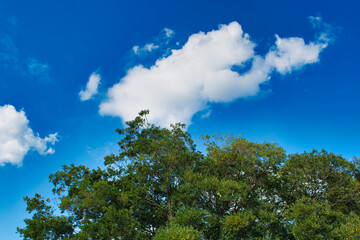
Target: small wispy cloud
17	138
206	114
208	68
159	41
12	58
8	51
169	33
147	48
91	87
38	70
325	33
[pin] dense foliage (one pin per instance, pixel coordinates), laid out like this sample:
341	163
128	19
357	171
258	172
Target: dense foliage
160	187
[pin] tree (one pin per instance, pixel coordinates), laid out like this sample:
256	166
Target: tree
322	194
160	187
44	225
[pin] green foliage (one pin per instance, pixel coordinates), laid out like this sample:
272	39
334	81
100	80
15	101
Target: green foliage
177	232
318	220
160	187
44	225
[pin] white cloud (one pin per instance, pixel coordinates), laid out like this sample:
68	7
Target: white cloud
150	46
136	49
201	72
158	41
325	32
91	87
206	114
292	53
147	48
169	33
17	138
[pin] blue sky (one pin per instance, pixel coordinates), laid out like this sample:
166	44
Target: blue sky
71	72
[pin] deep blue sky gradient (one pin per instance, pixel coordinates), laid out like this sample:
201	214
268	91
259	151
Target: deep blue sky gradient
315	107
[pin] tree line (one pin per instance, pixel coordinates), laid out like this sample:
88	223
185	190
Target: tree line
159	186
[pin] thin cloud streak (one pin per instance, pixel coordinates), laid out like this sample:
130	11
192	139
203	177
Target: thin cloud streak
91	87
159	41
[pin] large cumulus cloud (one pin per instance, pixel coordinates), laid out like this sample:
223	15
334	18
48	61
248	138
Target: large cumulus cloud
202	72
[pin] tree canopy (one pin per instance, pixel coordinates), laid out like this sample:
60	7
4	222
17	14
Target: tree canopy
159	186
